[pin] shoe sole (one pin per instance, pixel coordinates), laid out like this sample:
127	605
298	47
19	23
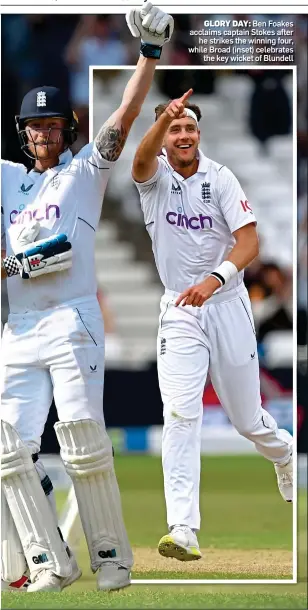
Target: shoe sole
167	547
54	588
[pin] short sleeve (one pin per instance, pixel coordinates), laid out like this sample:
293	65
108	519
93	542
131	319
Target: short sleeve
92	173
149	190
233	202
93	164
91	154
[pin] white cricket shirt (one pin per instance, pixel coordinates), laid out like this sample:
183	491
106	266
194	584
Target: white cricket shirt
64	199
191	221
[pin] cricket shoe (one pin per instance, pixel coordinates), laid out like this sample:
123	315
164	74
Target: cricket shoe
46	580
285	480
112	575
181	543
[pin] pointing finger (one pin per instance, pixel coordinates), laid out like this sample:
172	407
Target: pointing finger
186	95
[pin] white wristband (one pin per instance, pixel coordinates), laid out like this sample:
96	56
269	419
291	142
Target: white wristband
225	272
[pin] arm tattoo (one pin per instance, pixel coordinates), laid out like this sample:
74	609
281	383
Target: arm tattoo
110	141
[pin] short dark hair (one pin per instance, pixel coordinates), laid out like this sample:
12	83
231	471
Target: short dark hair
162	107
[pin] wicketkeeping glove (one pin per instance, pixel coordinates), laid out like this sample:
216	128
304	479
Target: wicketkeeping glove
44	256
153	26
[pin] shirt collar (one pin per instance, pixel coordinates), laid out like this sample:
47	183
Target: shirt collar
203	161
64	159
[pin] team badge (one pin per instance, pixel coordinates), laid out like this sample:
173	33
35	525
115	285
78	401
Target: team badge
163	343
41	99
206	192
55	183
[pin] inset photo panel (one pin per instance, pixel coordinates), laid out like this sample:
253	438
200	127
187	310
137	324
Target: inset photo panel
197	254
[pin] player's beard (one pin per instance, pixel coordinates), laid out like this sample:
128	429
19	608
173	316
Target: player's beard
49	148
48	151
182	163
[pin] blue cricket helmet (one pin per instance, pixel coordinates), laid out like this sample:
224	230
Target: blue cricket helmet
44	102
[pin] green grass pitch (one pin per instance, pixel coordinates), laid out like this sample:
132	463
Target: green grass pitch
246	533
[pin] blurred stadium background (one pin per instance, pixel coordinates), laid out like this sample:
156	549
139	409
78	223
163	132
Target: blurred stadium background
247	125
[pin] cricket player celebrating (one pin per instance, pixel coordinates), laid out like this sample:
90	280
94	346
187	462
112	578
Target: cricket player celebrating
54	340
203	235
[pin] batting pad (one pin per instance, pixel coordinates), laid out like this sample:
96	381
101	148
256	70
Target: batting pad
29	507
86	451
13	563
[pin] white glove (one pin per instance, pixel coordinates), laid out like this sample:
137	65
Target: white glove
150	24
26	236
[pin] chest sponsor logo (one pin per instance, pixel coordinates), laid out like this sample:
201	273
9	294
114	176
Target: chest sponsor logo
25	189
23	216
194	222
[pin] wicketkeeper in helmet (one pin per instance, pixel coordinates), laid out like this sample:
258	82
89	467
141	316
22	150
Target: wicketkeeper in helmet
53	343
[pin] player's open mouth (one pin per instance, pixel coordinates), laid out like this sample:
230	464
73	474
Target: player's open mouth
184	146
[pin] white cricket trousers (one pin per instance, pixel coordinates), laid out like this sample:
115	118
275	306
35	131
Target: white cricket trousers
56	352
216	339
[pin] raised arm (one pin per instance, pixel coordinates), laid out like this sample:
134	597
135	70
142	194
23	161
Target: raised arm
145	162
155	28
112	136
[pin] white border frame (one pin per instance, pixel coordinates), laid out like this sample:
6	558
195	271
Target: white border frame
71	7
293	69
